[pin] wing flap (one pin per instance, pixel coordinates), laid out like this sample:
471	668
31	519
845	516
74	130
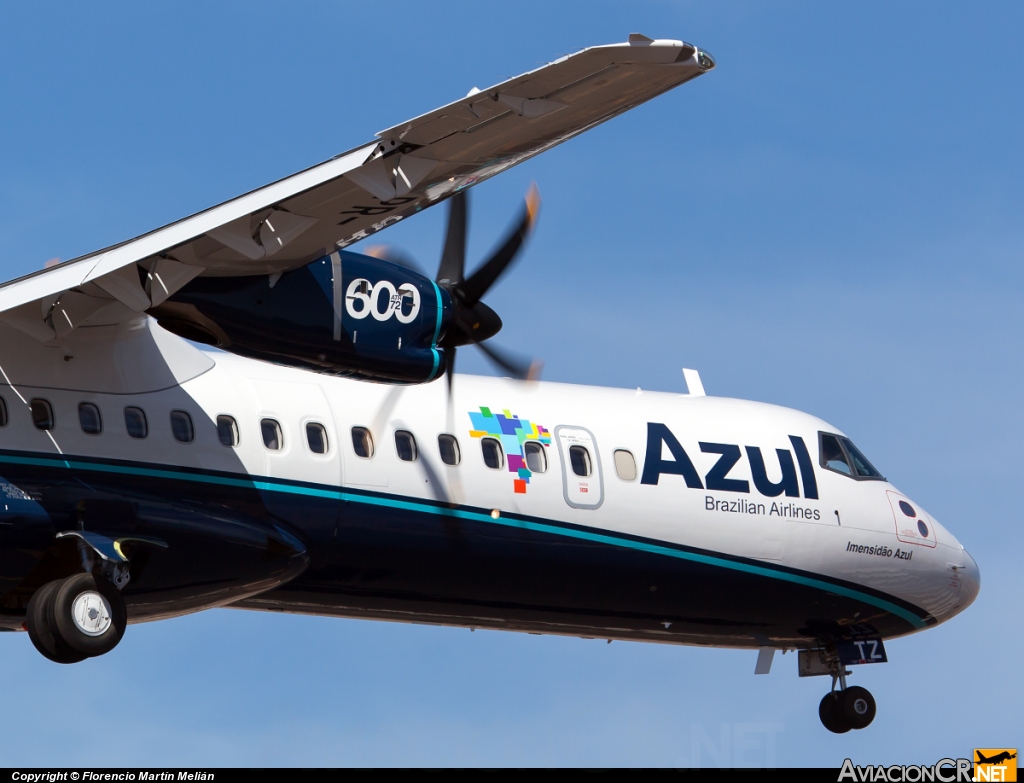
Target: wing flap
125	285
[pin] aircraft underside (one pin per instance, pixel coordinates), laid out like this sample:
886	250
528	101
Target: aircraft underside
204	539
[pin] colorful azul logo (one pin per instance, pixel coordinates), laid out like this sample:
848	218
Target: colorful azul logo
512	432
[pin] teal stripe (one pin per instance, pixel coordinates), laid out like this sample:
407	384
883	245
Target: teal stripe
437	331
476	516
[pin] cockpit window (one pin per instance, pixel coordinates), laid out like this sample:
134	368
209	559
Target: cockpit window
832	455
863	468
838	454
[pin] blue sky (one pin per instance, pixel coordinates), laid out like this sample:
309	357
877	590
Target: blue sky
831	220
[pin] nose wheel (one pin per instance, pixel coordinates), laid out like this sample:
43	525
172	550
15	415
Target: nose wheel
852	708
72	619
847	708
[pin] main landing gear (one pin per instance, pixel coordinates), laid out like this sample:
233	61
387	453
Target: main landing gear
845	707
848	708
82	616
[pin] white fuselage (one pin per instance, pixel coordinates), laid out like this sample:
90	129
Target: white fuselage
851	532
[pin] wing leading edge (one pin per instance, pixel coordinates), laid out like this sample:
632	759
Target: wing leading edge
409	167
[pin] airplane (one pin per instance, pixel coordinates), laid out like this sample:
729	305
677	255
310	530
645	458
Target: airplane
236	410
999	758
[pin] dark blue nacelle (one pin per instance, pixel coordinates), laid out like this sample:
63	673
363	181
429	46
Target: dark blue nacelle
344	314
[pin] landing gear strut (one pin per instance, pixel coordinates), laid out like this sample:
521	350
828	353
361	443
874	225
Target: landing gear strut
79	617
84	615
846	708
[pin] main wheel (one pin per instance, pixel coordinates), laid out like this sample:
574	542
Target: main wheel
832	715
858	705
39	621
89	614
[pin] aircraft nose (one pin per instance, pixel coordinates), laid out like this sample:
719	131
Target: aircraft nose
971	585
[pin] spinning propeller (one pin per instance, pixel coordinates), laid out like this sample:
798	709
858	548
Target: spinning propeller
473	322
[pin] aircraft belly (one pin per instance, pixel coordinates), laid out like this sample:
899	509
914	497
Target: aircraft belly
404	559
373	554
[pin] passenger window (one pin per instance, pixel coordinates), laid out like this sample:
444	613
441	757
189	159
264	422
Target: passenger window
135	422
832	455
42	414
272	438
494	457
362	442
625	465
863	468
448	445
536	459
89	418
181	427
316	438
3	412
227	430
579	459
405	443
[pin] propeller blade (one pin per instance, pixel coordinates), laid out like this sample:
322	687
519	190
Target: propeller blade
454	480
449	372
519	369
453	260
434	481
484	277
384	412
450	397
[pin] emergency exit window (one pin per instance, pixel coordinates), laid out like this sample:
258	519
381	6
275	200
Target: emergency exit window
579	459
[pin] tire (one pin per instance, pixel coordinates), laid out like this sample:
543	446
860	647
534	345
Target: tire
39	621
832	715
89	614
858	706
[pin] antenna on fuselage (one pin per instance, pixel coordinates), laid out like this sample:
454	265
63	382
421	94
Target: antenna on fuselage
693	384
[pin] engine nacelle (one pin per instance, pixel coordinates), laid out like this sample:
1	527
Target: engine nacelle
344	314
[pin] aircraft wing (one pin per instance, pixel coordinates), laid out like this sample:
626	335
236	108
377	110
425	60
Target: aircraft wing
409	167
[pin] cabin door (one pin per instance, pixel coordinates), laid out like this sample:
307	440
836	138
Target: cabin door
582	482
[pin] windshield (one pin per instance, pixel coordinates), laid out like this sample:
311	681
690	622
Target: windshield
838	454
863	468
832	455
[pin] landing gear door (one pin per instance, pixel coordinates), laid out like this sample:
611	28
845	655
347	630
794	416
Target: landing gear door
582	483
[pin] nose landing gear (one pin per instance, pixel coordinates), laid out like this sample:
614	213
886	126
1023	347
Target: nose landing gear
79	617
848	708
844	708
